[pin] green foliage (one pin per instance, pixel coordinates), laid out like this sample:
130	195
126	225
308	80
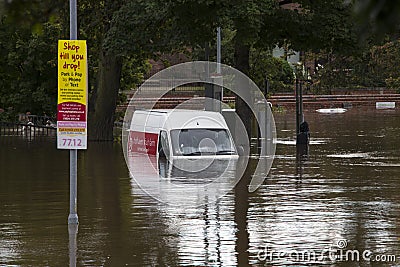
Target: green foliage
34	13
249	19
375	67
393	83
28	73
140	28
278	109
385	60
278	71
314	25
378	17
337	71
133	72
7	115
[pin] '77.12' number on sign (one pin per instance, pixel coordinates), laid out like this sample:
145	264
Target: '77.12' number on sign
71	142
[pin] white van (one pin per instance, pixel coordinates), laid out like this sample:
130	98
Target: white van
179	134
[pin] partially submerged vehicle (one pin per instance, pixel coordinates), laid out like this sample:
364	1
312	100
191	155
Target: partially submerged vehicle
180	134
182	157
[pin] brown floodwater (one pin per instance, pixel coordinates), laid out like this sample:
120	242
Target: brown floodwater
338	206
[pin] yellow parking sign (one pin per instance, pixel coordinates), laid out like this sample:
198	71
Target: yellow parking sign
72	95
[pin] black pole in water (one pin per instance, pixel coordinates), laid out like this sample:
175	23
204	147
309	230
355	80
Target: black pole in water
301	104
298	109
302	129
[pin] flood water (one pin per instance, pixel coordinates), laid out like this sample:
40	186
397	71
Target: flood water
340	202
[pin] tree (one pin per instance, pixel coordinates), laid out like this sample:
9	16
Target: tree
106	56
385	60
28	73
378	17
29	32
136	30
277	71
372	66
128	30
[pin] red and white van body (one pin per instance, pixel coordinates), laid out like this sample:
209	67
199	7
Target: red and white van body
179	134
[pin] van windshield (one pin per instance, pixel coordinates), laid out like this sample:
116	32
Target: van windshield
192	142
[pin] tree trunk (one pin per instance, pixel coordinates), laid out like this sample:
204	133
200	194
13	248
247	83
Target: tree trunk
241	209
104	102
242	54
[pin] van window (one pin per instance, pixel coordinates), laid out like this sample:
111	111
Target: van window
191	142
163	145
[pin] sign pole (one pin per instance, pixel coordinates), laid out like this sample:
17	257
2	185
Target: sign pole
73	187
73	153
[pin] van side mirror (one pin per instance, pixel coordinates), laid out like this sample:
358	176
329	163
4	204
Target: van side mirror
240	150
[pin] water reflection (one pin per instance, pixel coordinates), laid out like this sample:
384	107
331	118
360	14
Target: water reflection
185	182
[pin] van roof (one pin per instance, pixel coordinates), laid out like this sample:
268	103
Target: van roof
186	118
180	111
175	110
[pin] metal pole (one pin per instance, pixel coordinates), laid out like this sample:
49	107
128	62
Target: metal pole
73	153
219	60
301	103
73	187
219	50
266	87
208	87
72	231
73	27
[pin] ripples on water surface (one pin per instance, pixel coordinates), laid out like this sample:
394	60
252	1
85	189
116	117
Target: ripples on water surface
345	190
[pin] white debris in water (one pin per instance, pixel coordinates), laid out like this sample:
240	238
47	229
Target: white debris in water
292	142
348	155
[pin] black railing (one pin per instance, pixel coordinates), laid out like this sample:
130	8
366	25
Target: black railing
28	129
